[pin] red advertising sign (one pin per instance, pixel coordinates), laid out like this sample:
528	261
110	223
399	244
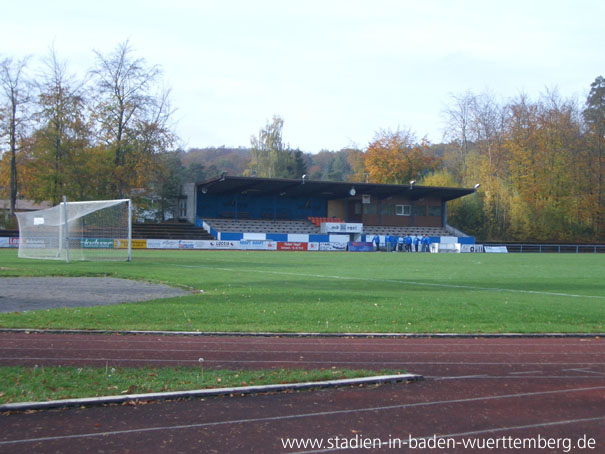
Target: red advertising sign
291	246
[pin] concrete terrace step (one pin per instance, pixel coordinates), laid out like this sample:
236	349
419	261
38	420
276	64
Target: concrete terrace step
170	232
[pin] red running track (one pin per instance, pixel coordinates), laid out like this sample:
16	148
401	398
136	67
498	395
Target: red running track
508	394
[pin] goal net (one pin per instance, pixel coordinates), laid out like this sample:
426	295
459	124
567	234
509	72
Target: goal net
96	230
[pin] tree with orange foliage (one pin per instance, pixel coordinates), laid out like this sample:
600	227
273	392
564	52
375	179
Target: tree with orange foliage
395	157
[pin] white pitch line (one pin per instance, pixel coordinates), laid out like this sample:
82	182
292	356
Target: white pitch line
394	281
311	415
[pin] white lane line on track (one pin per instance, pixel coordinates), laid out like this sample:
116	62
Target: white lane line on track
394	281
202	340
508	377
297	361
479	432
316	414
585	370
308	352
244	361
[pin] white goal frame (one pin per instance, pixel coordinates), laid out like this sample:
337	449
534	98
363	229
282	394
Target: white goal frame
95	230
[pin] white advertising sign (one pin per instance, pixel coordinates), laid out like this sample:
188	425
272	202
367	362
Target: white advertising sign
255	236
258	245
218	244
496	249
445	247
190	244
336	227
162	244
471	248
332	246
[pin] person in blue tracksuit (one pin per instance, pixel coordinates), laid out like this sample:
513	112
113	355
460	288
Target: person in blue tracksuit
425	243
376	241
408	243
416	242
394	243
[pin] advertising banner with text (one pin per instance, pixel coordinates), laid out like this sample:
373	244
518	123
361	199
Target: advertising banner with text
291	246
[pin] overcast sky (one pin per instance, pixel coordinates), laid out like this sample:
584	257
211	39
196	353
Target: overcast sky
336	71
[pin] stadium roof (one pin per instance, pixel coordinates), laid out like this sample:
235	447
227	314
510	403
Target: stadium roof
224	185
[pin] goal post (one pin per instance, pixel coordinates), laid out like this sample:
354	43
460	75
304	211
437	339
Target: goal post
95	230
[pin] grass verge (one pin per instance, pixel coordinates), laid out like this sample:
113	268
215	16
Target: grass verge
37	384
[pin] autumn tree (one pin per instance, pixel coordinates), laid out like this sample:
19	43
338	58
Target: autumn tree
459	131
594	115
271	158
14	106
131	118
395	157
62	136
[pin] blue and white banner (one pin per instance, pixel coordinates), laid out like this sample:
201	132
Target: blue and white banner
358	246
258	245
339	227
333	246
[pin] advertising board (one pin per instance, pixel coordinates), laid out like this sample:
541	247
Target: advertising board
34	243
162	244
361	246
258	245
218	244
136	244
496	249
291	246
338	227
333	246
96	243
313	246
471	248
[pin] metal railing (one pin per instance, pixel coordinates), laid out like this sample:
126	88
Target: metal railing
551	248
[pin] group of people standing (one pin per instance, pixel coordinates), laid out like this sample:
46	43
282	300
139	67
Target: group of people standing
394	243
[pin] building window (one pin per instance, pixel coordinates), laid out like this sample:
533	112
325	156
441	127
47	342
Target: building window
370	209
403	210
419	210
183	208
434	210
388	209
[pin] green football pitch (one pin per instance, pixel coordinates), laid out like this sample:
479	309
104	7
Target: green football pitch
337	292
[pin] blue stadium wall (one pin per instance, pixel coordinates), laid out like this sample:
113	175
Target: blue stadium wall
254	207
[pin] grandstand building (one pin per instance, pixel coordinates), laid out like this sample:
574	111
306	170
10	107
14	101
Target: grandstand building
239	208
